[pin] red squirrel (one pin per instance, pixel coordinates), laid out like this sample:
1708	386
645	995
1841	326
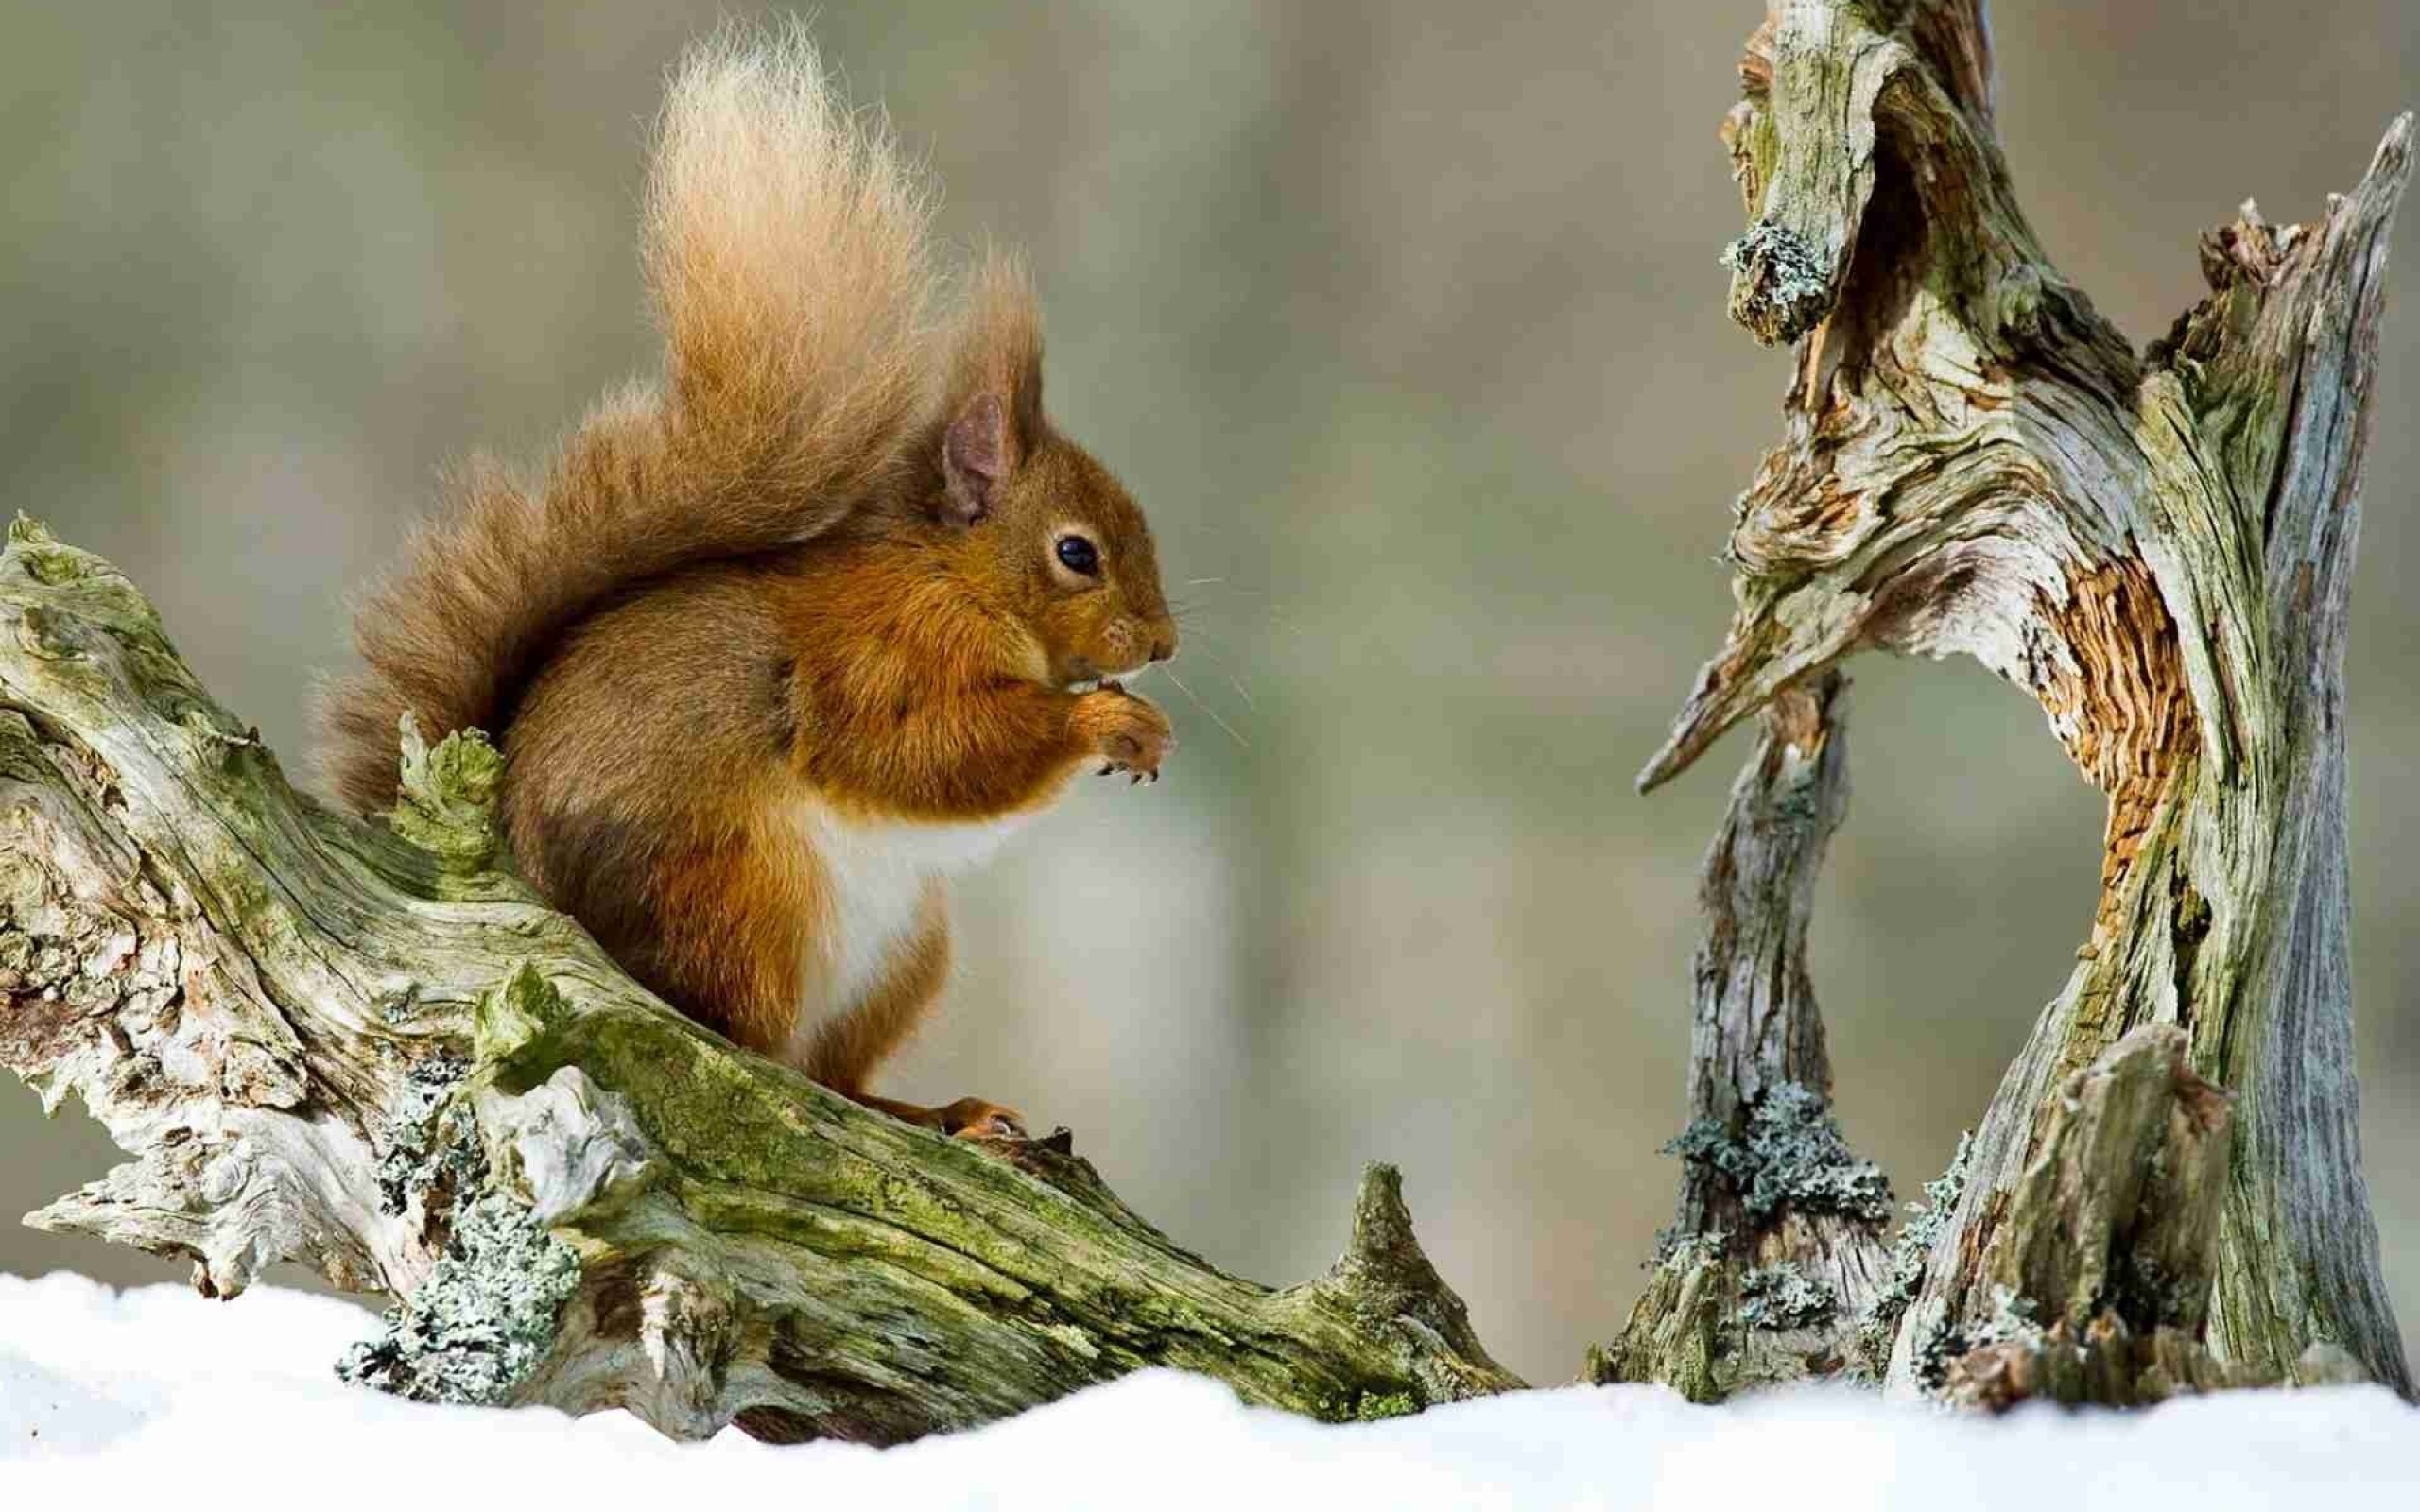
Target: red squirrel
781	640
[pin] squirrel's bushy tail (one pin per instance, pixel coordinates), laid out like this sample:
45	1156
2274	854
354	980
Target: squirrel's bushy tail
787	244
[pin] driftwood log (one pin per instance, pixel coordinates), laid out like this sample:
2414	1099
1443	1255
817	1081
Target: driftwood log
2166	1192
369	1050
372	1051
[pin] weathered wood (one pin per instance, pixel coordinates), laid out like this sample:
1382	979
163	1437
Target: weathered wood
2158	547
383	1058
377	1053
2100	1272
1774	1261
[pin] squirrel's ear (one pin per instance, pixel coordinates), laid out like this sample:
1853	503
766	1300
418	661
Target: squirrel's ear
979	452
996	385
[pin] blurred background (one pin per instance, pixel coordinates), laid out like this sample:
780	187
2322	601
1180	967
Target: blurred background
1404	321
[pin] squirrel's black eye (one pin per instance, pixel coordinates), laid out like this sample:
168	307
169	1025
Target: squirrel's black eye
1079	556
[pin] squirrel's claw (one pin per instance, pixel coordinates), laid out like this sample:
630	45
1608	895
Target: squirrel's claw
971	1118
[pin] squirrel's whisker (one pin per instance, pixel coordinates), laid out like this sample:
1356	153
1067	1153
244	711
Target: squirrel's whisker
1231	730
1232	680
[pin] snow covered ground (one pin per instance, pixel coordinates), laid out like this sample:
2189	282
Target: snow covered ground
211	1405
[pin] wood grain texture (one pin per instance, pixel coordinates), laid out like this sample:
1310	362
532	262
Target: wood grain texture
2158	547
1774	1261
386	1061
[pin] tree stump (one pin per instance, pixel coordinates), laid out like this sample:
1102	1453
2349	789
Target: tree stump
2157	547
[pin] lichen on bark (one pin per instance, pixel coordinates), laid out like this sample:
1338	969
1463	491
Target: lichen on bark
1775	1254
1910	1254
2157	547
370	1050
1785	1296
1789	1151
476	1328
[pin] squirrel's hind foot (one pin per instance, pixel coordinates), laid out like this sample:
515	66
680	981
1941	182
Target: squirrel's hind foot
969	1117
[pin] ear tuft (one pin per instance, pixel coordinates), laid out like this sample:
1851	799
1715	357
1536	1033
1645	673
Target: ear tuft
995	384
976	457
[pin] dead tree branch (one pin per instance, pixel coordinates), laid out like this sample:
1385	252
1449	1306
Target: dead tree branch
1774	1262
2159	548
377	1055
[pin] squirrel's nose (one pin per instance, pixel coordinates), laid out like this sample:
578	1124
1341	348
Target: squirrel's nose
1164	645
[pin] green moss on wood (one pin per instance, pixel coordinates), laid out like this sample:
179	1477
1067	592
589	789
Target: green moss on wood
509	1017
1678	1333
791	1260
1379	1406
1014	1256
447	801
99	592
43	558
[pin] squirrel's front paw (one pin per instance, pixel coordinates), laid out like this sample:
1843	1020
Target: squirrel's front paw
1128	733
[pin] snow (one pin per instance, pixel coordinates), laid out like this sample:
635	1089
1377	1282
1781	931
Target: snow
234	1404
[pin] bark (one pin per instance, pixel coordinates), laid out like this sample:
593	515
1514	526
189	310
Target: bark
2158	547
372	1051
1775	1261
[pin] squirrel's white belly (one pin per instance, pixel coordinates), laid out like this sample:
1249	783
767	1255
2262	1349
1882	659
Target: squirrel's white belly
876	874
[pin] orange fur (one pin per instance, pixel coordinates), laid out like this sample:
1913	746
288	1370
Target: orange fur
788	253
736	954
773	632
